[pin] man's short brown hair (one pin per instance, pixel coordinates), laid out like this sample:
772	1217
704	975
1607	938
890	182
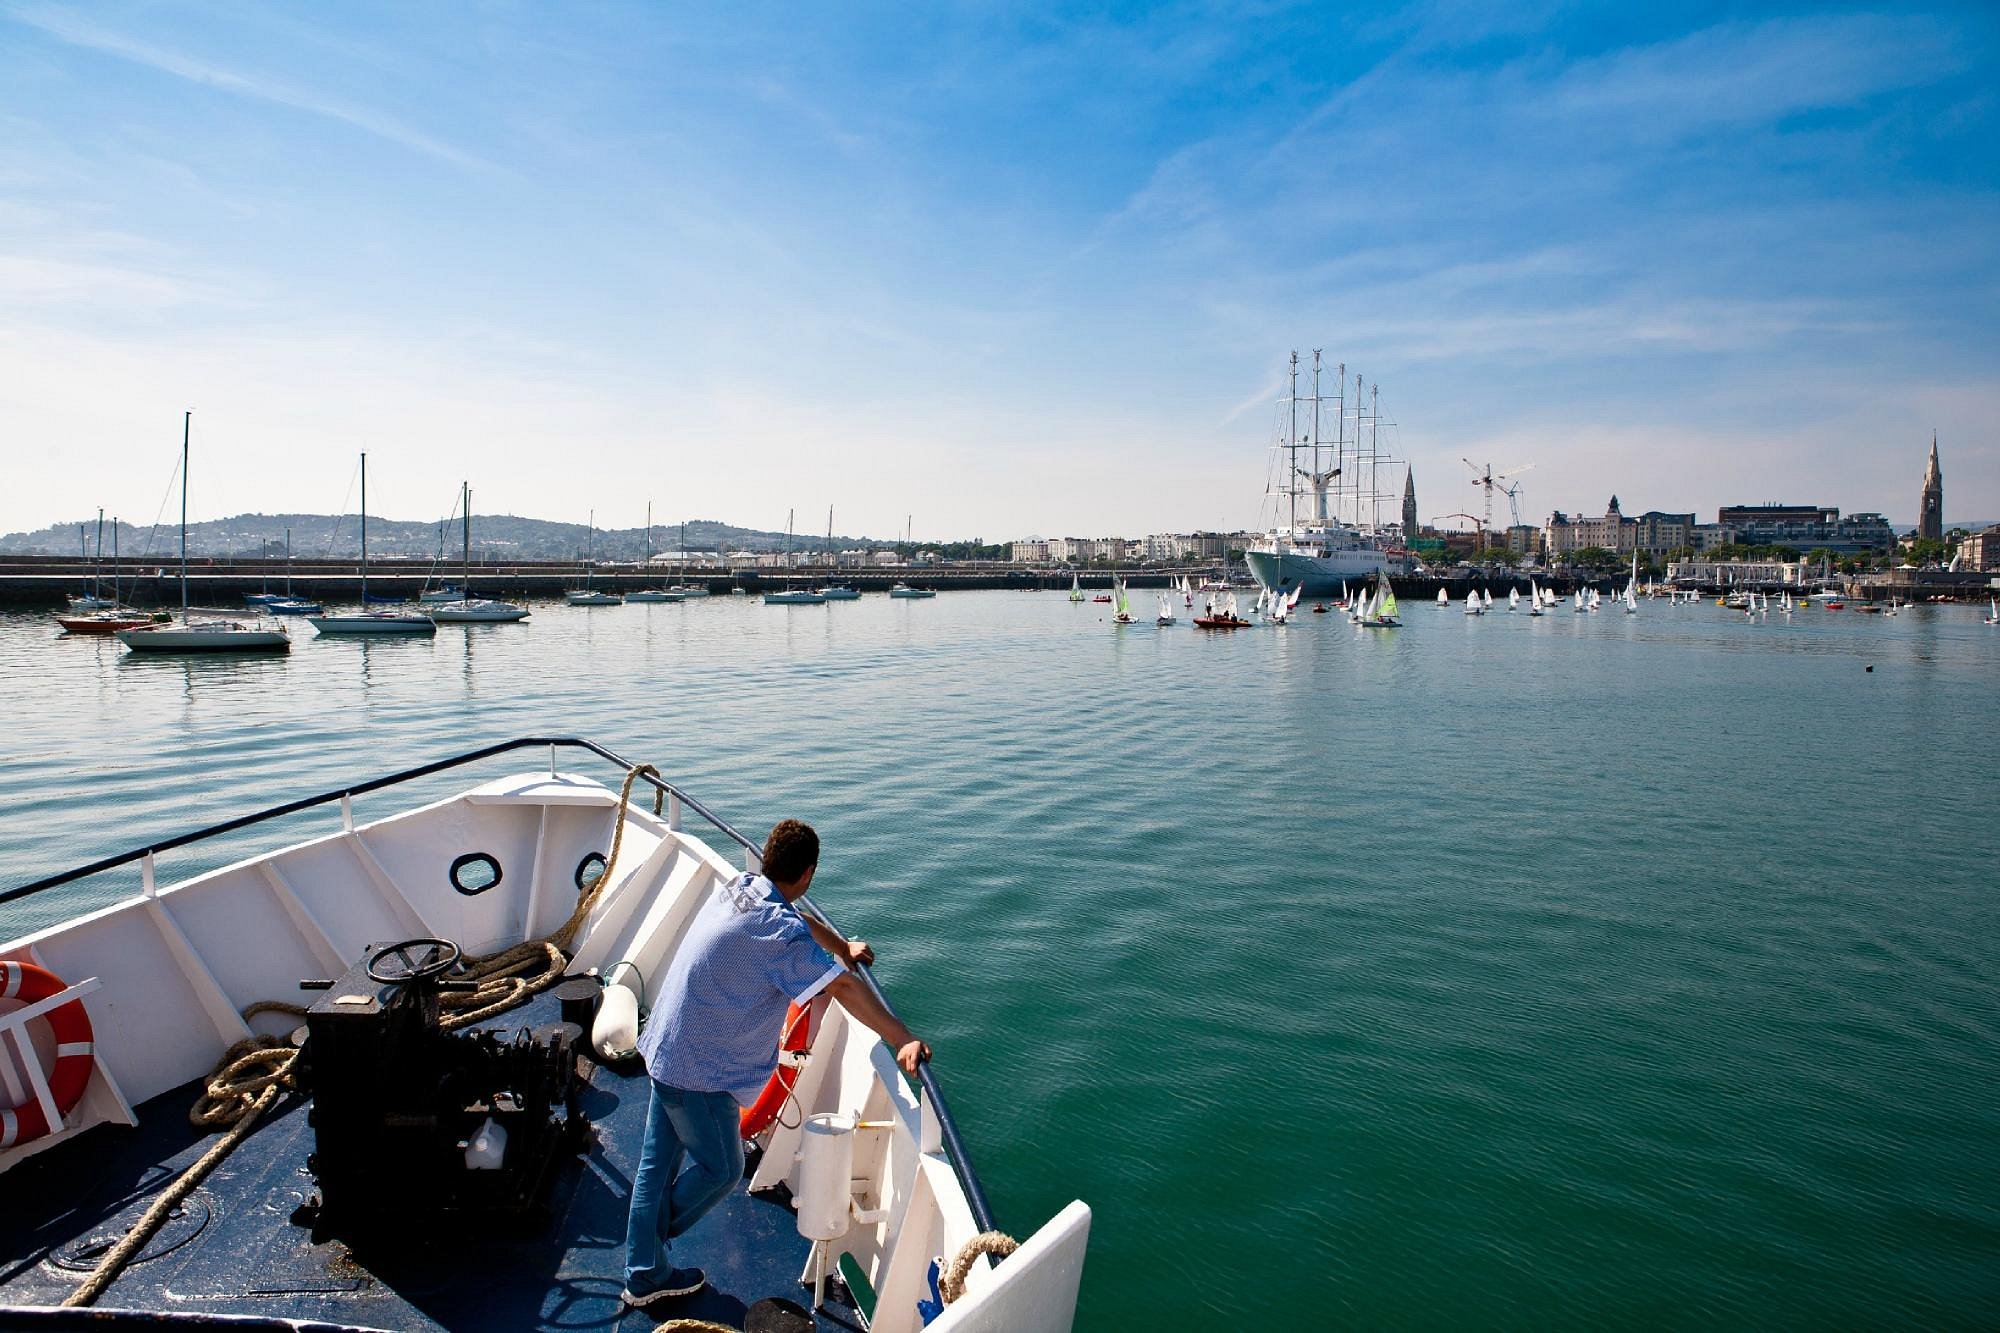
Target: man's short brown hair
790	851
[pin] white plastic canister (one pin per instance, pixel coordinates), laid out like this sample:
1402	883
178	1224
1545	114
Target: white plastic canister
826	1169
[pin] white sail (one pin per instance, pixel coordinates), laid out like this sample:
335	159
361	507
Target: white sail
1486	599
1513	599
1443	599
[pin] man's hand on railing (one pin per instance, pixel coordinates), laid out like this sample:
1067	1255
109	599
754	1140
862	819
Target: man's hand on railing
911	1054
859	954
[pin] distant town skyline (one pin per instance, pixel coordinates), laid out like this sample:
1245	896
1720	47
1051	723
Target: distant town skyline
990	274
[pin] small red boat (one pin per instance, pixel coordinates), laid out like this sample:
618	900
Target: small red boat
1319	608
1221	622
104	622
1102	597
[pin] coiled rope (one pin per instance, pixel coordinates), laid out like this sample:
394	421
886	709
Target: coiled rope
257	1071
996	1243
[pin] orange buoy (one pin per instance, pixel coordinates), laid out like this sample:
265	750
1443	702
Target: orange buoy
74	1059
801	1021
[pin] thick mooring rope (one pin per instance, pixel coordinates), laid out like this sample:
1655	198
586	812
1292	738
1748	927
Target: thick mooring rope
996	1243
257	1071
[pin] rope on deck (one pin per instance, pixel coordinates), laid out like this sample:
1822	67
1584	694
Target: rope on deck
257	1071
996	1243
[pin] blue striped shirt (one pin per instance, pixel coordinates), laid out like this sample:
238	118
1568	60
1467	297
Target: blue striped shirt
720	1010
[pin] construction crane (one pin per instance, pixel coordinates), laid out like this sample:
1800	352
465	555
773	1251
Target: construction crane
1478	525
1488	480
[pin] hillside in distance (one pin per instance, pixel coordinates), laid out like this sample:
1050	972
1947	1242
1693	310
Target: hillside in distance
325	536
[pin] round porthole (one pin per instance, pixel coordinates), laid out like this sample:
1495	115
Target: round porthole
474	873
588	869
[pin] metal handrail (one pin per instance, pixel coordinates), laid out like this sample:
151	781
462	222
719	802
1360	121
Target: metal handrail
968	1179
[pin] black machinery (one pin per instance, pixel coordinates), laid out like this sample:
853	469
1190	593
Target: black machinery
414	1124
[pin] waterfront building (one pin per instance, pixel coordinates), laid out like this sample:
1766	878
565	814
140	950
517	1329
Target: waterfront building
1981	551
1524	539
1930	510
1409	506
1033	551
1806	528
1652	533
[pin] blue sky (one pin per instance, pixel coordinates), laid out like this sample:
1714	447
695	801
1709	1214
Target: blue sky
1007	271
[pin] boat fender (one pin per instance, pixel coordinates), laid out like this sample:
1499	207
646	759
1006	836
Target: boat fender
27	983
794	1049
614	1035
485	1150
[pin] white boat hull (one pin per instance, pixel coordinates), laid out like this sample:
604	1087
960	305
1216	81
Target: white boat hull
477	612
380	623
593	599
186	639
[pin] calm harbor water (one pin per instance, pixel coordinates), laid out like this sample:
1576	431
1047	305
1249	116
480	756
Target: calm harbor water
1594	970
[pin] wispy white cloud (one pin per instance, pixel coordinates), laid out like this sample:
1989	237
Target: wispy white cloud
68	26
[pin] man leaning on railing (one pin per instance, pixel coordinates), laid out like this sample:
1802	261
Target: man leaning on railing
710	1041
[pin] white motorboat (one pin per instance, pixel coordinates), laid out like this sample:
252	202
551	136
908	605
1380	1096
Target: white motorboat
906	591
186	635
430	1143
365	621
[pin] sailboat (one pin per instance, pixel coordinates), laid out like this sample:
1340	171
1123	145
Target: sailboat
652	594
588	595
365	621
1187	592
287	604
1121	605
1383	614
1535	597
1473	606
114	615
1993	614
684	588
1444	599
200	636
1075	588
1513	600
470	610
791	596
836	592
1166	616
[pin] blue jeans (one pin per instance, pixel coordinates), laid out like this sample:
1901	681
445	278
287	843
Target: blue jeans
666	1200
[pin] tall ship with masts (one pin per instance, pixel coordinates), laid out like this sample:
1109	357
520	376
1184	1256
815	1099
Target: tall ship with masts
1325	497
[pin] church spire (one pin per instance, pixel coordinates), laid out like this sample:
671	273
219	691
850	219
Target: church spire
1930	510
1409	505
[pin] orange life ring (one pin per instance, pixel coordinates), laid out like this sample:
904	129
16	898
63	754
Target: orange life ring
801	1021
27	983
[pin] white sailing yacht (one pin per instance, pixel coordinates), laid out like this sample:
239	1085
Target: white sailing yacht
188	635
1166	616
588	595
1473	606
652	594
1513	600
468	609
790	596
836	592
365	621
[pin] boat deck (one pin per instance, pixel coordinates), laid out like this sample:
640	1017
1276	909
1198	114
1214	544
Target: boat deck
234	1250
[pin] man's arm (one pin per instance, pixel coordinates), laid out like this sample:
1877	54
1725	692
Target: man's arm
849	953
857	999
